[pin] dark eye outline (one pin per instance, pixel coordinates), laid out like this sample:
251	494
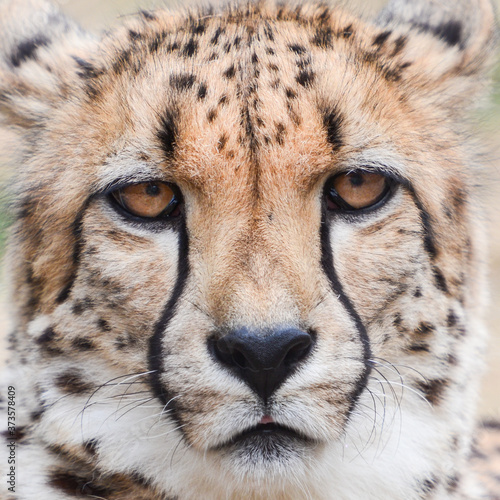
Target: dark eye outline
171	212
329	192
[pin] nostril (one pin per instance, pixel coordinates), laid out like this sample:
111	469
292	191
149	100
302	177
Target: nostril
298	352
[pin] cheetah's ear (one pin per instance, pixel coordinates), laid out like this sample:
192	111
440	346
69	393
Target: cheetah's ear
39	48
455	45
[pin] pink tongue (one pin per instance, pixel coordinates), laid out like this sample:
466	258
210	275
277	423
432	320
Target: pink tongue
266	419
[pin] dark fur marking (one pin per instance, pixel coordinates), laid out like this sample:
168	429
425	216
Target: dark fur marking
270	51
91	446
134	35
223	100
168	132
183	81
80	306
273	67
222	142
147	15
429	484
451	319
77	249
418	293
450	32
217	34
230	72
452	483
191	48
255	58
82	344
280	133
197	28
424	328
419	347
87	70
27	50
268	31
103	325
332	121
47	336
440	280
381	38
76	486
71	382
202	91
297	49
323	38
328	268
305	78
347	32
433	390
212	115
17	434
155	354
290	94
399	45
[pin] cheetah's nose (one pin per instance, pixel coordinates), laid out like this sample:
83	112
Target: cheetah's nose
263	360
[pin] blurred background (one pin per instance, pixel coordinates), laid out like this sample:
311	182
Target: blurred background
97	14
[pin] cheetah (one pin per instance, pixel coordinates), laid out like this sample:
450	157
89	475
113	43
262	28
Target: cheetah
247	256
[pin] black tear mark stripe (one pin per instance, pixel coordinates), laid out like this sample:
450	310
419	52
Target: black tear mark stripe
77	250
155	354
336	285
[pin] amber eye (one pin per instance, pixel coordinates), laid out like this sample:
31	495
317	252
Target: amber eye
356	190
148	199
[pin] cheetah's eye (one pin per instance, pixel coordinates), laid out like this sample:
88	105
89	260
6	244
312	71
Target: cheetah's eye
148	200
356	190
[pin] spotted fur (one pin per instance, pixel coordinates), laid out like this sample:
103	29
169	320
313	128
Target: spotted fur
249	110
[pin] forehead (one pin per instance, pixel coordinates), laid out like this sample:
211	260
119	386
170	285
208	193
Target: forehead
283	93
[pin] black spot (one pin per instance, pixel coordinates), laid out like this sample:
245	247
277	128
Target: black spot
297	49
134	35
47	336
451	319
417	293
147	15
439	280
255	58
190	48
213	56
290	94
82	344
280	133
87	70
399	45
429	484
273	67
80	306
269	32
104	325
71	382
17	434
202	91
212	115
198	28
222	142
270	51
347	32
332	121
305	78
491	424
76	486
381	38
183	81
323	38
433	390
36	415
27	49
168	131
122	62
230	72
227	47
217	34
419	347
450	32
424	328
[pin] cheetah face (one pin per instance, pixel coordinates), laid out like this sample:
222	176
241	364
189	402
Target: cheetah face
244	236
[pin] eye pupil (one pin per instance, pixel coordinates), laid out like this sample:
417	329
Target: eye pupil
356	180
153	189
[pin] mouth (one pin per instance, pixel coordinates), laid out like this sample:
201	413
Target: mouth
265	434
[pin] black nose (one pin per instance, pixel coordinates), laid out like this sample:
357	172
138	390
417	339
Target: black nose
263	360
